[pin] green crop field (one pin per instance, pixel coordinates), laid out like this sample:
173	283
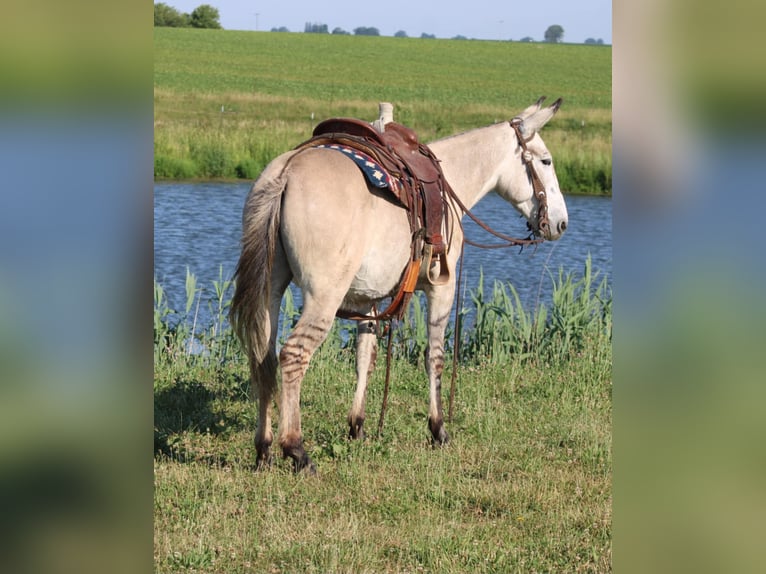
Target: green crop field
227	102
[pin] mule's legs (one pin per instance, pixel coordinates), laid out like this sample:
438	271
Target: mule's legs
310	331
366	352
264	377
439	307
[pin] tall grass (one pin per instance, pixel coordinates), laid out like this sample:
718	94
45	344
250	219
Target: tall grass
581	310
179	338
524	486
498	327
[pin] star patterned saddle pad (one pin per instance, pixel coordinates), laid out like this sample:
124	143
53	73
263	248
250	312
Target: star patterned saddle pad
375	174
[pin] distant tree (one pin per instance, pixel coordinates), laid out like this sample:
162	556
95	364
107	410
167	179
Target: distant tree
428	36
205	16
527	39
314	28
280	29
459	37
366	31
554	34
400	34
340	32
165	15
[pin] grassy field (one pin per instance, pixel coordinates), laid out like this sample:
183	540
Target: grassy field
524	485
227	102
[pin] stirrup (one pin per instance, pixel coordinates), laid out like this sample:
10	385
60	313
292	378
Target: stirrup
428	257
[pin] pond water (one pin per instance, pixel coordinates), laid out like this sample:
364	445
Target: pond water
198	225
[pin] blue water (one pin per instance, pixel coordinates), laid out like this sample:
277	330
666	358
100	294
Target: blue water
198	226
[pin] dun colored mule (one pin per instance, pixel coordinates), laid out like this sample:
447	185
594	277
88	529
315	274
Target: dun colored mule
313	218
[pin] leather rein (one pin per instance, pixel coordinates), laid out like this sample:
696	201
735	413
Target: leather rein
538	189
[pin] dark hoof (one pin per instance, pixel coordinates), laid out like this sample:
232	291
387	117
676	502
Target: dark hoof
264	463
439	436
356	429
442	440
263	458
301	461
305	465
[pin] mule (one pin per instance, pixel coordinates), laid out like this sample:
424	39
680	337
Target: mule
313	219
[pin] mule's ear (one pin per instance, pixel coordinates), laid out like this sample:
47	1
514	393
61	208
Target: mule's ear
531	109
537	120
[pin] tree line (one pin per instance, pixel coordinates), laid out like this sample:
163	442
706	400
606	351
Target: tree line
553	34
206	16
316	28
203	16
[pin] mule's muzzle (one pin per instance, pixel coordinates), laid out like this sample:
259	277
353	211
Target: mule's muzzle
545	231
553	232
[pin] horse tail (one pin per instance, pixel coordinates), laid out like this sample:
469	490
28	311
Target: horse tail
249	313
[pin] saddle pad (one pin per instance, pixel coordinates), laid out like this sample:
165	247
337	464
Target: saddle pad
376	175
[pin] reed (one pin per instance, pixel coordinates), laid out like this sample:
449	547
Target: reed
497	327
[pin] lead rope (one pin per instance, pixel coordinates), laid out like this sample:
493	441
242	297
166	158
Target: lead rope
384	406
457	336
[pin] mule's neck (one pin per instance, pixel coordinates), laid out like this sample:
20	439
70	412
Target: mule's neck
472	161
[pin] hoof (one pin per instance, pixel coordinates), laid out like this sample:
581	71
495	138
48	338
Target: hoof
301	461
442	440
356	429
304	465
263	458
439	436
264	463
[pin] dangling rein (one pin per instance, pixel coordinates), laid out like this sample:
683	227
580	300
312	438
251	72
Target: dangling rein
542	224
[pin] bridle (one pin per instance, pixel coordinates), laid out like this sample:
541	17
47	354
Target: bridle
538	189
537	184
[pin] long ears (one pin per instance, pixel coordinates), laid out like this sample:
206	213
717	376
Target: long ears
538	118
531	109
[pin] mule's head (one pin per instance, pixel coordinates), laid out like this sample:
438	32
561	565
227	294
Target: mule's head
530	160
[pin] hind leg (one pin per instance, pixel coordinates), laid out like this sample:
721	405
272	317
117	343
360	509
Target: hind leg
366	352
309	333
265	375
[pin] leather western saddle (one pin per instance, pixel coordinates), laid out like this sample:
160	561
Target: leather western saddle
421	185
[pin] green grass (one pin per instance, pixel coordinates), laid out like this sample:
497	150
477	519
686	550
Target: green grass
524	486
227	102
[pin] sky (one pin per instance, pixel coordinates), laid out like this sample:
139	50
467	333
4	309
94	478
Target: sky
481	19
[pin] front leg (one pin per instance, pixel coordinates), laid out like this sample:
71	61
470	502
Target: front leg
439	307
366	352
